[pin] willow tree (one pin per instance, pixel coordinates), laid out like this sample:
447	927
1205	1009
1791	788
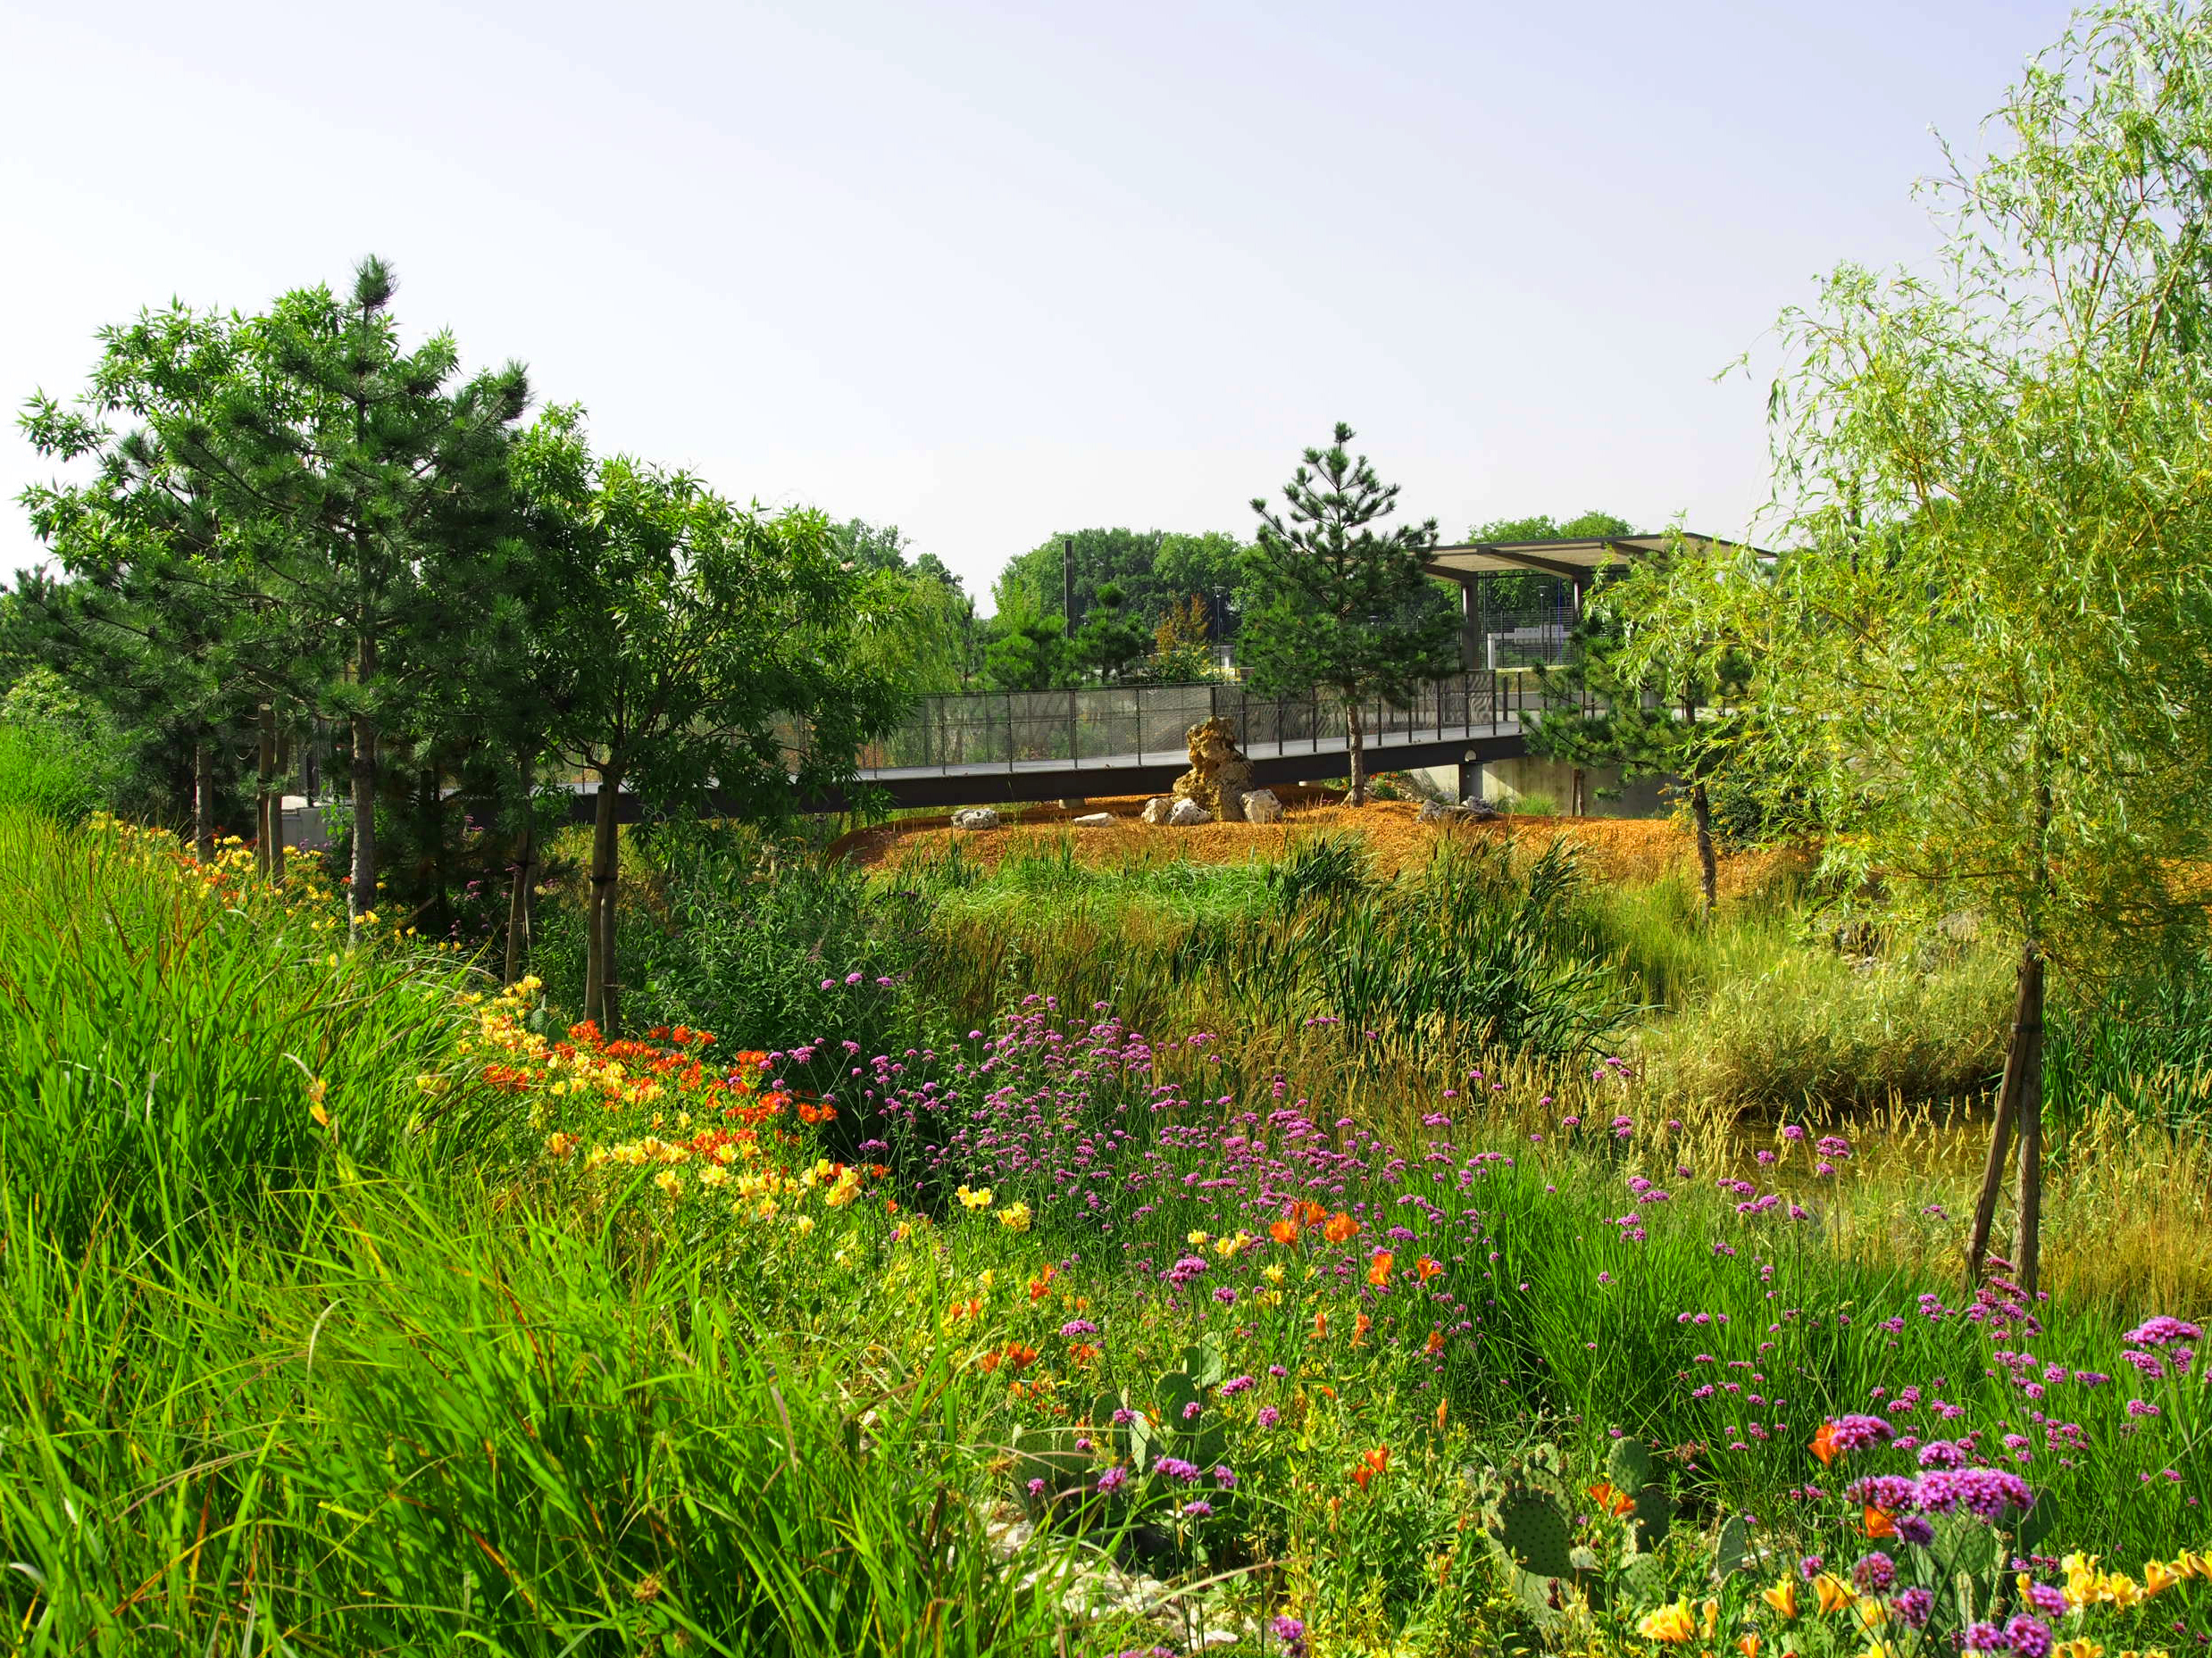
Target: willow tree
1985	654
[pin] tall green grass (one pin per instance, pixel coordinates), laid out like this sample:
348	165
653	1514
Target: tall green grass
270	1385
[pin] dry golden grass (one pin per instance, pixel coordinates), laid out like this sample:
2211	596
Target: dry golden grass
1630	851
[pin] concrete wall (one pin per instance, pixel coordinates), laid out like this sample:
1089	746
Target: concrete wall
1503	782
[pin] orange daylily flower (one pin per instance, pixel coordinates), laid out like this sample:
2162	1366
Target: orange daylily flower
1360	1330
1321	1325
1427	1267
1379	1268
1434	1345
1442	1406
1614	1503
1313	1214
1833	1593
1825	1445
1284	1231
1340	1228
1039	1284
1878	1524
1371	1463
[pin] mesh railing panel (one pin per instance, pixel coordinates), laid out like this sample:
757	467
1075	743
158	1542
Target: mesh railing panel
1148	724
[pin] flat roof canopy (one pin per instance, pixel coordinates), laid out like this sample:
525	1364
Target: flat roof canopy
1573	559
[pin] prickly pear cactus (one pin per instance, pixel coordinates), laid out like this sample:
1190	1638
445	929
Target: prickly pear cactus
1534	1532
1654	1515
1733	1551
1629	1465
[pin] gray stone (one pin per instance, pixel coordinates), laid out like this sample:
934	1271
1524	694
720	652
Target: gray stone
1466	812
1184	814
1095	819
975	818
1158	808
1261	807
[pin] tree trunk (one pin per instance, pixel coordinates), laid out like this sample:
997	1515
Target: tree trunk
276	809
1355	735
361	895
1708	866
265	768
599	911
2019	1098
433	817
1577	786
204	800
2028	1039
518	900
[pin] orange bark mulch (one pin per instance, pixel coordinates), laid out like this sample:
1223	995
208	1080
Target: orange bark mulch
1626	851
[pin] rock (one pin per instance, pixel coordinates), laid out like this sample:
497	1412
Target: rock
975	818
1261	807
1095	819
1219	772
1466	812
1186	811
1158	808
1073	803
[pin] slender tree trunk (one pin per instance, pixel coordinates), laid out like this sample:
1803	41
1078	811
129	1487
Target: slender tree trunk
204	800
1356	735
360	896
2028	1239
433	812
264	769
600	1001
518	900
2023	1072
1708	865
1577	786
276	808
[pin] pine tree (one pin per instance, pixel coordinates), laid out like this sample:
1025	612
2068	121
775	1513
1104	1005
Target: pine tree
1335	604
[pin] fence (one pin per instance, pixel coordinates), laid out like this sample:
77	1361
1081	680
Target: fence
1125	726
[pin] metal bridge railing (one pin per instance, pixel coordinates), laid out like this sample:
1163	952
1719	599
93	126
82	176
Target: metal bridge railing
1122	726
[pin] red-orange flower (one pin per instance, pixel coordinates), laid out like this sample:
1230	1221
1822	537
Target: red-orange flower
1321	1325
1041	1283
1427	1267
1825	1445
1340	1228
1379	1268
1284	1231
1614	1503
1434	1345
1360	1330
1878	1524
1371	1463
1313	1214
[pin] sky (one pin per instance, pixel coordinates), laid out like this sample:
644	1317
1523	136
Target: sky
992	272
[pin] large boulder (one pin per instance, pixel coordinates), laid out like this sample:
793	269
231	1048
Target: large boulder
1156	810
1466	812
1186	811
975	818
1219	775
1261	807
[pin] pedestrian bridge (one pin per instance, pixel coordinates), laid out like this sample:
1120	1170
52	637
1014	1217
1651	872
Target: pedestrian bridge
989	747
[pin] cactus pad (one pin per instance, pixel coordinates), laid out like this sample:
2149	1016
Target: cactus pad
1627	1465
1535	1532
1733	1553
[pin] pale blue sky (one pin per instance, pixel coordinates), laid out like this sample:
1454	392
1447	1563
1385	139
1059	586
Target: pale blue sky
991	271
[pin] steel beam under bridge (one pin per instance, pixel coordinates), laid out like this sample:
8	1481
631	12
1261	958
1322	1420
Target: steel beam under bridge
1039	780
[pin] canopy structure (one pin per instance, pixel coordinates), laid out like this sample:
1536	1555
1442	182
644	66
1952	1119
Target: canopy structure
1528	623
1573	560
